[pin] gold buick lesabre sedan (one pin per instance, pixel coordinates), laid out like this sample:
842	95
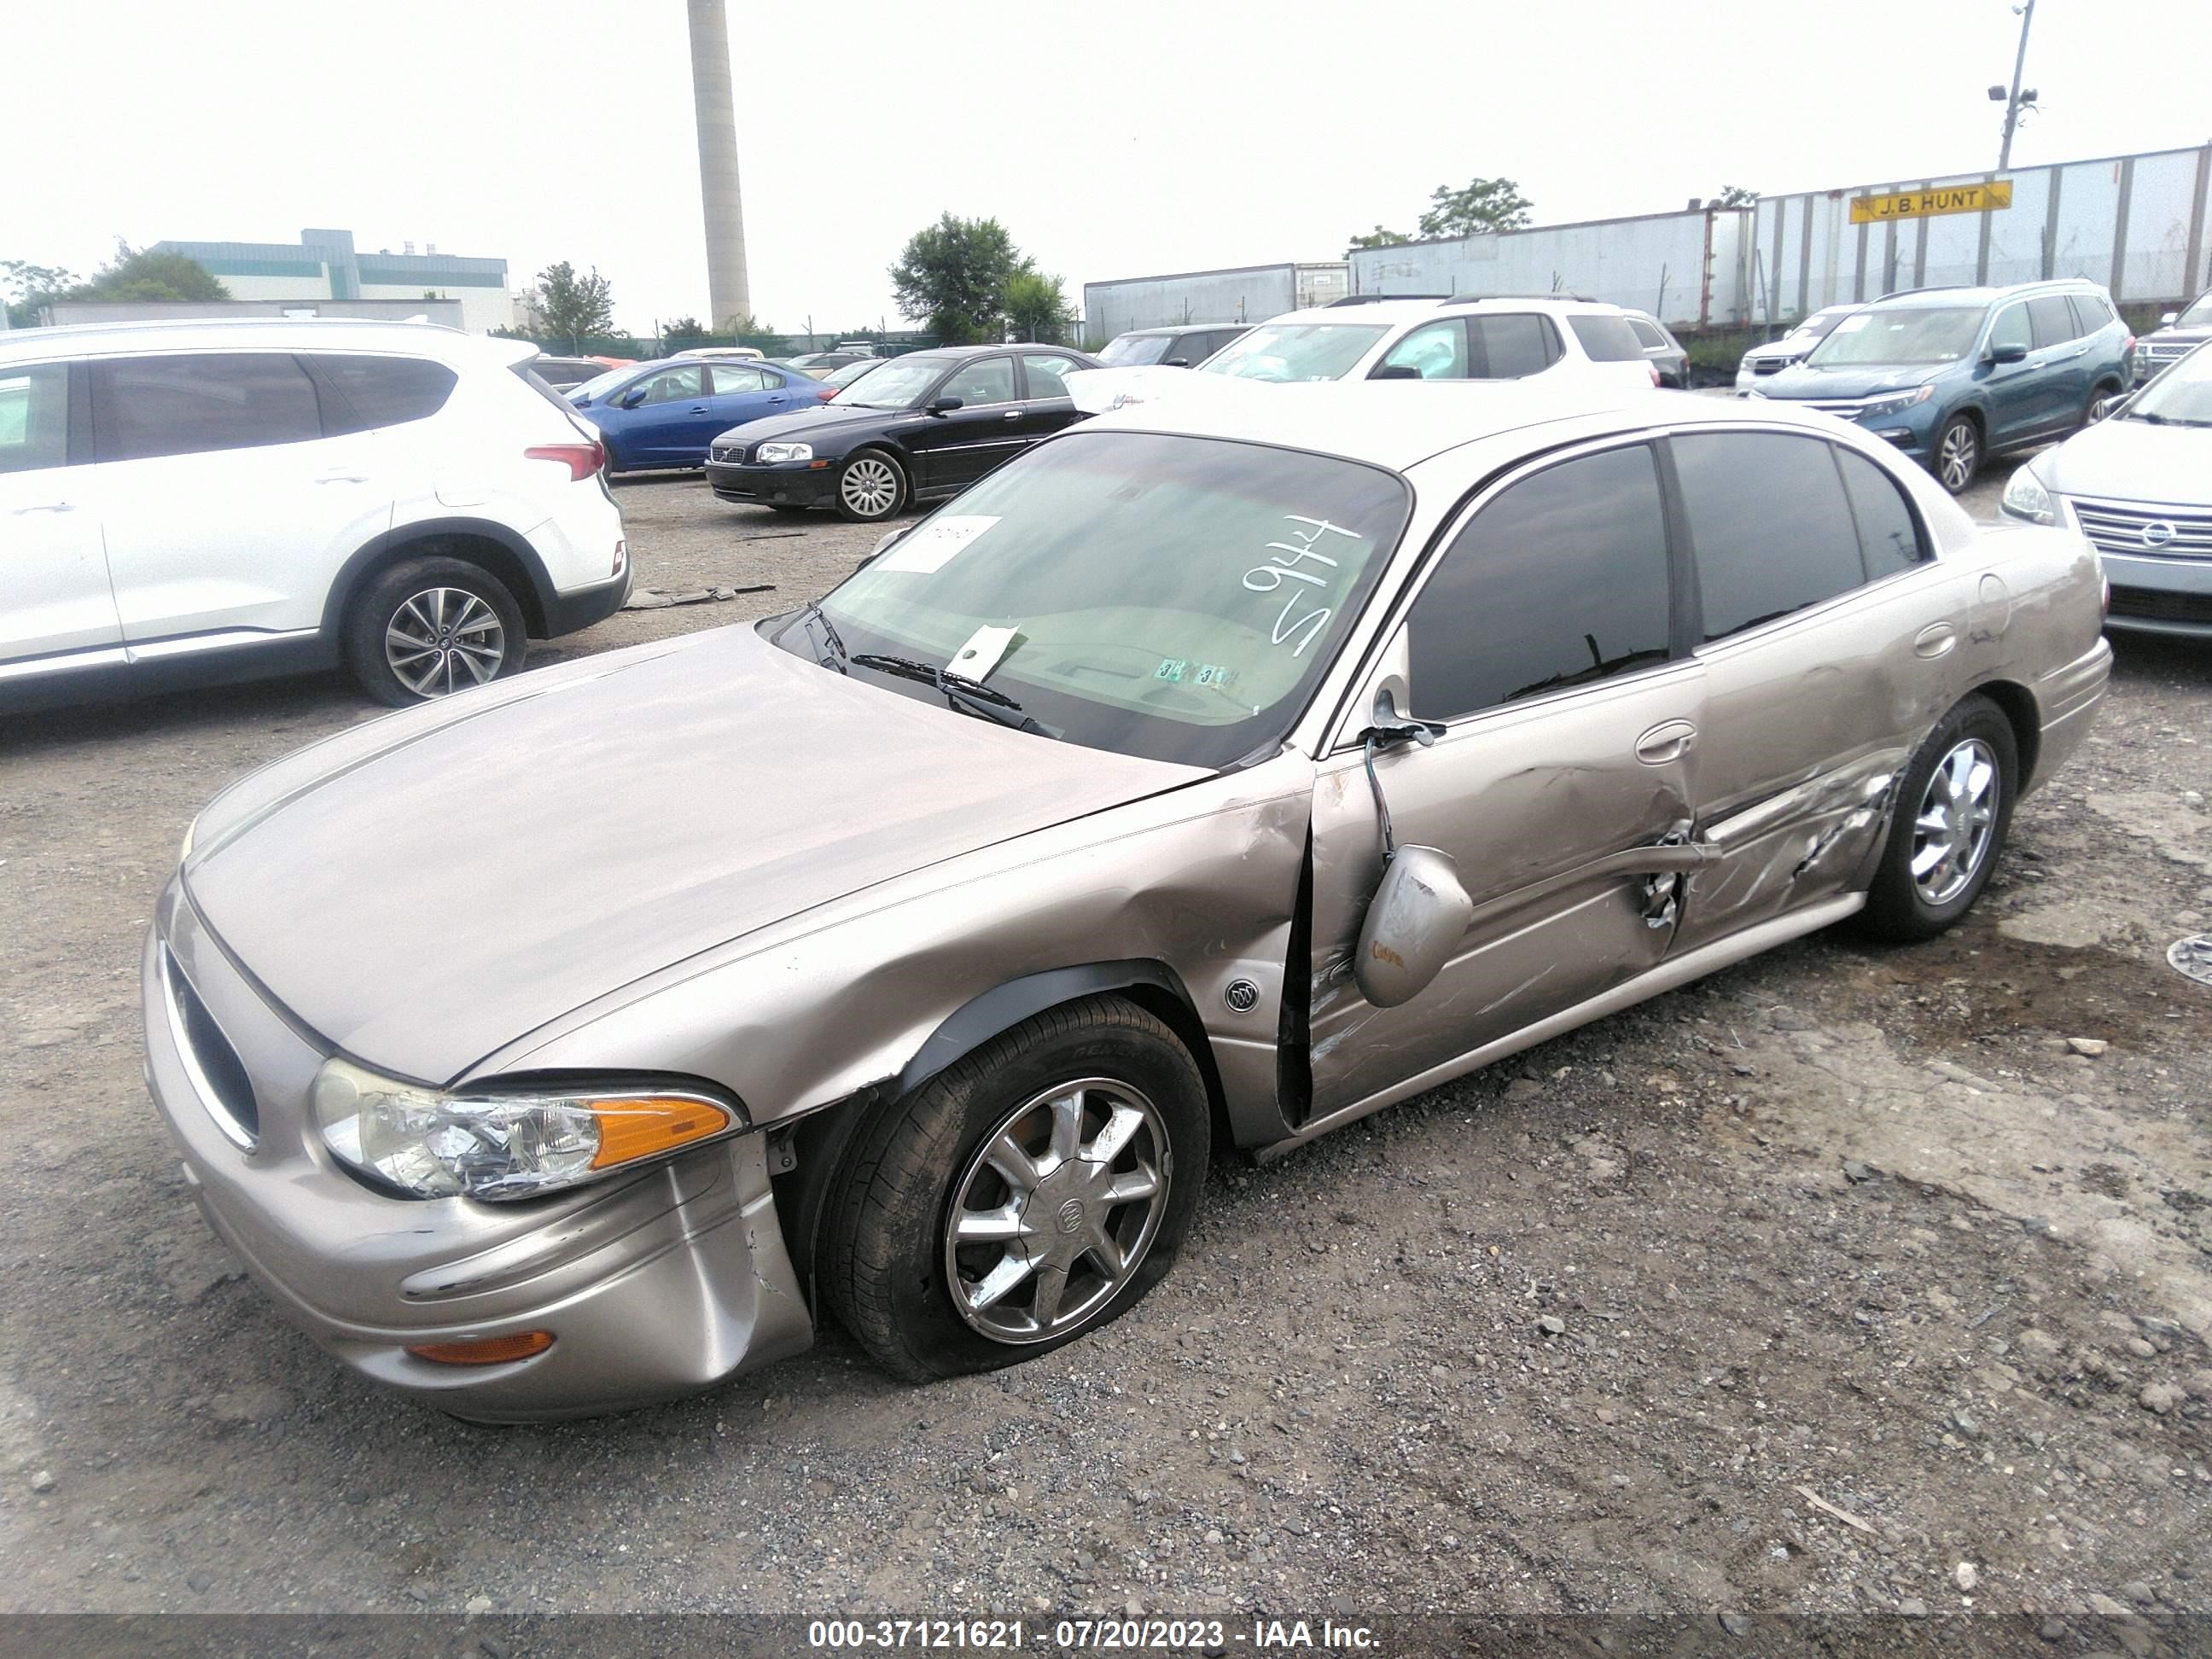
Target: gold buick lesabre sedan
1219	772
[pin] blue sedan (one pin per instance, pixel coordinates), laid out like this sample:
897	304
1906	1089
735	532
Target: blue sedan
665	414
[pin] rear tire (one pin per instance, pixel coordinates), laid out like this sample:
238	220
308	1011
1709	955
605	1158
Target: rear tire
1954	808
2101	402
1957	454
430	627
985	1220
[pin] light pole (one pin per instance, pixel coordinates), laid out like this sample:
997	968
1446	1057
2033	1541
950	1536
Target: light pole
2016	100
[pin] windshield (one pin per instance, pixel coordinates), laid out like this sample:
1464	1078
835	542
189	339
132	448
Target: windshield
1818	326
1126	350
2197	316
842	378
2181	396
1295	351
894	385
1174	598
599	385
1908	334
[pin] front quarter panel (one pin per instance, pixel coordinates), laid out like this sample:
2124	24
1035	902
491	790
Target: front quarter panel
1201	879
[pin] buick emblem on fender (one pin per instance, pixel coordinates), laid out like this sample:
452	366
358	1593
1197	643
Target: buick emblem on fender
2157	533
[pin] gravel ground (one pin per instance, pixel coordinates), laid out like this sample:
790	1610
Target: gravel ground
1842	1281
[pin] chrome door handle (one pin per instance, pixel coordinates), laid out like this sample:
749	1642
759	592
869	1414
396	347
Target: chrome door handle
47	507
1934	640
1014	415
1670	740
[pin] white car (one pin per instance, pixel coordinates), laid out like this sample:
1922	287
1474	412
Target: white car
1559	342
189	502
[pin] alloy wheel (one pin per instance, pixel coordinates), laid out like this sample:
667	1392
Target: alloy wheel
1056	1211
870	486
2099	406
444	640
1958	814
1957	457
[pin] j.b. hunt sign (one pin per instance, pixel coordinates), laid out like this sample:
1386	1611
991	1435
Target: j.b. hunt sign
1928	203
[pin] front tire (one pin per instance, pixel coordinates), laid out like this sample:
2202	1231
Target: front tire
1957	454
871	486
1953	811
428	627
1031	1193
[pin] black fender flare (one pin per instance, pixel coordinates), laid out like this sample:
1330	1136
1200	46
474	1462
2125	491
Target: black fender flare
386	548
1007	1005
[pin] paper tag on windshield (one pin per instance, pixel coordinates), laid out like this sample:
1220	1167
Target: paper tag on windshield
925	549
985	646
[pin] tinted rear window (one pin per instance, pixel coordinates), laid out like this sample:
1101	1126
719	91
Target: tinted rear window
1772	532
2090	312
187	405
1606	339
375	391
2052	320
1889	536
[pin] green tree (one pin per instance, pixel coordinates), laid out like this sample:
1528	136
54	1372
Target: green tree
1377	237
143	274
1036	307
1483	205
953	275
1735	196
685	329
573	307
26	289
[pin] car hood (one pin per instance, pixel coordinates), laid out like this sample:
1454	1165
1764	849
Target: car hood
821	421
2173	334
2125	460
1850	380
431	887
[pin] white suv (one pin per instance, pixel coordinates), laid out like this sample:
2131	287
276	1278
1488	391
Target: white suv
196	502
1472	339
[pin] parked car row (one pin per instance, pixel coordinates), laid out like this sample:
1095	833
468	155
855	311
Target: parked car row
1217	772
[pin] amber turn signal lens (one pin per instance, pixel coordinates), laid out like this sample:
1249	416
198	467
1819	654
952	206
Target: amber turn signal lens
631	1129
485	1350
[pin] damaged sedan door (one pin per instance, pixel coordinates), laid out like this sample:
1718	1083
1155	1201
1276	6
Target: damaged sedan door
1548	643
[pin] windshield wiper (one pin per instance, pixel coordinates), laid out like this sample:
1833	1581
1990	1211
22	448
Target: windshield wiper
838	657
980	699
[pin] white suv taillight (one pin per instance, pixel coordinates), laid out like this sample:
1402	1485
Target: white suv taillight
582	459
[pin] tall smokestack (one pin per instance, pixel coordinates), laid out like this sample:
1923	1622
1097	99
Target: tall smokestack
728	294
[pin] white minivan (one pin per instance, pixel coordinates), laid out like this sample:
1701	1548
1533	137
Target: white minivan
187	502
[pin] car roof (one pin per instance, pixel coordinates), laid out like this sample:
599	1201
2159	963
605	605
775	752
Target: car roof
1178	328
1398	424
1967	293
262	333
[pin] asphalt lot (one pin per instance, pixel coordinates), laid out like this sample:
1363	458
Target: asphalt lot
1842	1223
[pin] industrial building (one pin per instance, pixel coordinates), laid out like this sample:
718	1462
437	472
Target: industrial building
323	264
1245	294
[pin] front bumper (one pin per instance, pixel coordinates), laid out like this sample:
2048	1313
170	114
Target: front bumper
2159	595
654	1287
793	483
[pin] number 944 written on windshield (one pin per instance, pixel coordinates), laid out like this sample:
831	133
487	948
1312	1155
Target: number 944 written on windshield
1308	595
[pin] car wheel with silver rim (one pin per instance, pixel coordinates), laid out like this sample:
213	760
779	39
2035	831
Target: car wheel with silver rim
1032	1191
2101	404
1952	806
429	628
871	486
1957	454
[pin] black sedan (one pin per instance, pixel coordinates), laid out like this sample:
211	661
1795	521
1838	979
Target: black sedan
915	429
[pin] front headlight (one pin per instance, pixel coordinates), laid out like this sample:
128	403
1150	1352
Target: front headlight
771	453
1903	401
495	1142
2024	497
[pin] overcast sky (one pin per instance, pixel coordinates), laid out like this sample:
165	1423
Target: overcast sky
1112	138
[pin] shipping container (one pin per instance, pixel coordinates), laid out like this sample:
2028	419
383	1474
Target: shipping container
1246	294
2135	223
1690	269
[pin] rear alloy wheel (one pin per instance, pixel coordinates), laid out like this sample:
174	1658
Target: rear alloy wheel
1031	1192
2100	404
1957	454
869	487
429	628
1953	806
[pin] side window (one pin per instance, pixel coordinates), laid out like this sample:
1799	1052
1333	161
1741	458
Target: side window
188	404
1435	351
34	416
1514	346
733	378
674	385
1560	580
1889	538
987	380
1223	337
1047	375
2011	328
1772	530
373	392
2090	313
1650	337
1605	339
2052	320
